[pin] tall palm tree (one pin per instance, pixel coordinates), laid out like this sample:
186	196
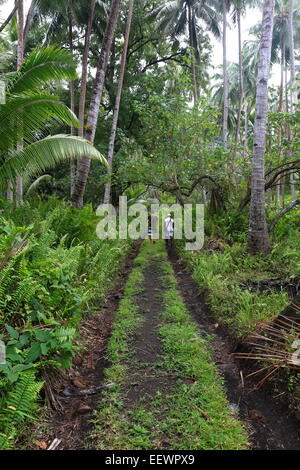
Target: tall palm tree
283	42
66	13
292	51
20	59
239	9
29	19
112	138
91	125
178	16
84	73
258	239
28	110
293	76
225	8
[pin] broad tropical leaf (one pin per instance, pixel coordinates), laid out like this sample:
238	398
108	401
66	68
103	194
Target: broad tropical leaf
41	67
45	154
26	115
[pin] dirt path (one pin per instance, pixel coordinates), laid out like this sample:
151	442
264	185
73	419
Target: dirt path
272	424
159	401
167	394
69	417
143	382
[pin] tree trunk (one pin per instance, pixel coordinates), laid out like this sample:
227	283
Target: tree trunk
246	128
112	139
258	240
20	50
20	59
10	16
84	164
28	21
292	53
84	66
292	81
280	184
72	98
225	77
241	79
192	46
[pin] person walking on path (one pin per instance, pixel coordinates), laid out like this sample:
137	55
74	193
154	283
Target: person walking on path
168	230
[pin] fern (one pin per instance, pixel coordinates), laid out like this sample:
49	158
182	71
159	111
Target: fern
42	249
20	402
64	334
6	442
23	294
7	280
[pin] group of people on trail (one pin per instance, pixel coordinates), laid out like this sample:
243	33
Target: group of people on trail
153	228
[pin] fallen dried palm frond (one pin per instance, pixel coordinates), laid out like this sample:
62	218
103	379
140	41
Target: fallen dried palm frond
277	343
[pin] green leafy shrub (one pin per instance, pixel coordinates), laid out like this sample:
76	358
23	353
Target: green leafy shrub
52	270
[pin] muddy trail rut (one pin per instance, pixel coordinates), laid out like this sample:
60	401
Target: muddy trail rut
269	423
272	424
146	345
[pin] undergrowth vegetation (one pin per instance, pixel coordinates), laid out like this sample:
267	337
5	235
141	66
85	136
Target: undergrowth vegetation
231	277
53	269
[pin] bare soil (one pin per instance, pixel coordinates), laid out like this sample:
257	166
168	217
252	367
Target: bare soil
143	382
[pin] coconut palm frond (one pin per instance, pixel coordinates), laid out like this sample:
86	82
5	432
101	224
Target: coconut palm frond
25	115
181	23
42	66
165	15
37	182
212	19
47	153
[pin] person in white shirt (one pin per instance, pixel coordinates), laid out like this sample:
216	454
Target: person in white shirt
168	230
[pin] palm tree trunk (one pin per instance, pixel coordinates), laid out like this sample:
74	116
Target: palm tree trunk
83	84
241	79
20	59
280	183
72	98
292	81
84	66
289	154
28	20
258	239
247	112
84	164
71	84
192	46
225	77
292	53
112	139
20	50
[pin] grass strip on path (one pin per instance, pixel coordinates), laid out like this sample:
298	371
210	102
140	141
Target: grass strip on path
192	412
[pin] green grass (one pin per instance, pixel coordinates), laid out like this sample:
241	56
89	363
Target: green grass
223	276
192	414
